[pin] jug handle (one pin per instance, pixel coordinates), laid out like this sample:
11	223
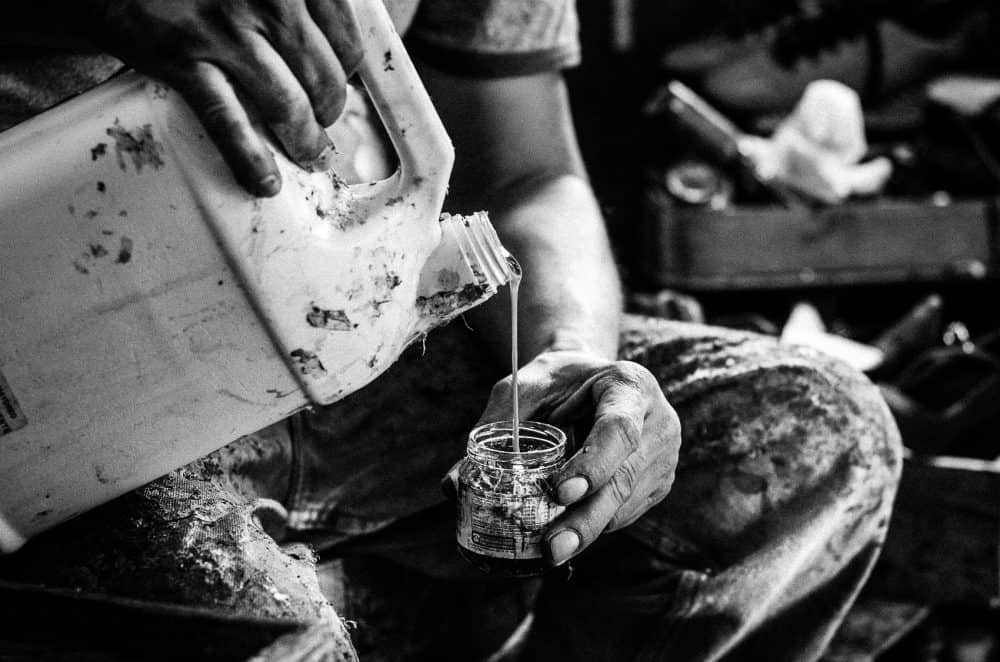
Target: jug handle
405	109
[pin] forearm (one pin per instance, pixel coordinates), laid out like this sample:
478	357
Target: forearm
516	156
570	295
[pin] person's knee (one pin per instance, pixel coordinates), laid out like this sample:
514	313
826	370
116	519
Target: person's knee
813	421
777	433
255	466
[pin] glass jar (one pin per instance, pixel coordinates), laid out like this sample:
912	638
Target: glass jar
504	498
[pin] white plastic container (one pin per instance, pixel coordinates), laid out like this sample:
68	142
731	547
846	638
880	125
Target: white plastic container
152	311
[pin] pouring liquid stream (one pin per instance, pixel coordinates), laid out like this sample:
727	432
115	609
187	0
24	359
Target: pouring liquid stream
515	283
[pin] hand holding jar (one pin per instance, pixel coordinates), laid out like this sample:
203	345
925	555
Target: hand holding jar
628	439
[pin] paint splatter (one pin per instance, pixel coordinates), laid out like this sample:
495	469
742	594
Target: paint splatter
334	320
138	144
102	474
444	304
448	279
389	281
124	250
308	363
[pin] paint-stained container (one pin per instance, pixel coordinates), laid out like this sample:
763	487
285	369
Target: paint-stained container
505	500
152	311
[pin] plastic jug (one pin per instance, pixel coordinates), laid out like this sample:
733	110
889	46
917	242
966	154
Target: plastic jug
152	311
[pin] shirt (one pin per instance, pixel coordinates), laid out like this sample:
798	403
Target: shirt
470	37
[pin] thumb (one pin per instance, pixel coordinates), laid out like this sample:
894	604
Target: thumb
534	384
449	482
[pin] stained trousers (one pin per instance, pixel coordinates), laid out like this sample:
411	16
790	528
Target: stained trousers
787	472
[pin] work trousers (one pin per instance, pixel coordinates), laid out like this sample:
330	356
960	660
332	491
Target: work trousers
787	472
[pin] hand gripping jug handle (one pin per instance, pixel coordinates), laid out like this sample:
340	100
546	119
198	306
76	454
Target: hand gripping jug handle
399	211
152	311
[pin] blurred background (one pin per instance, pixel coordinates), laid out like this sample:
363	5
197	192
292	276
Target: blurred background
828	171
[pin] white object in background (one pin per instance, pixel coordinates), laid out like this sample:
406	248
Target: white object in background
806	327
966	95
816	150
152	311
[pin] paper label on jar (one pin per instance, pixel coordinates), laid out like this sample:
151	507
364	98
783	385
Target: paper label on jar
503	525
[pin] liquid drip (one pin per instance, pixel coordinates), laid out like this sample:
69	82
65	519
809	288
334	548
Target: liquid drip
515	283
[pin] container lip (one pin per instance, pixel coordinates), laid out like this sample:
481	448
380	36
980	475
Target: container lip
549	432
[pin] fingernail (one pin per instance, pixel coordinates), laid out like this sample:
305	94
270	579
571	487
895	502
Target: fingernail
572	490
269	186
322	162
563	545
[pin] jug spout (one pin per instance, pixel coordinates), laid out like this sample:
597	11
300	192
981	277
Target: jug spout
468	267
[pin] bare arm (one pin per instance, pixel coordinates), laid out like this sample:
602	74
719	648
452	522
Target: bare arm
516	155
529	176
283	62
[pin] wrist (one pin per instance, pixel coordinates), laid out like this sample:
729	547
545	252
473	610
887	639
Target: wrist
568	340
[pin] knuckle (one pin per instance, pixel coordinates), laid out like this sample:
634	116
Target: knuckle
626	428
351	56
666	481
630	373
657	495
674	432
623	482
285	18
283	107
666	441
501	389
673	420
219	116
665	459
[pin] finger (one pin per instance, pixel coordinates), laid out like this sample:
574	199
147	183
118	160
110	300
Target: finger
549	389
449	483
282	102
498	406
311	58
212	97
336	20
531	384
616	434
580	526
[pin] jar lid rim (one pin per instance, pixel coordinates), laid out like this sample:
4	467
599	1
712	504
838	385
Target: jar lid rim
553	435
